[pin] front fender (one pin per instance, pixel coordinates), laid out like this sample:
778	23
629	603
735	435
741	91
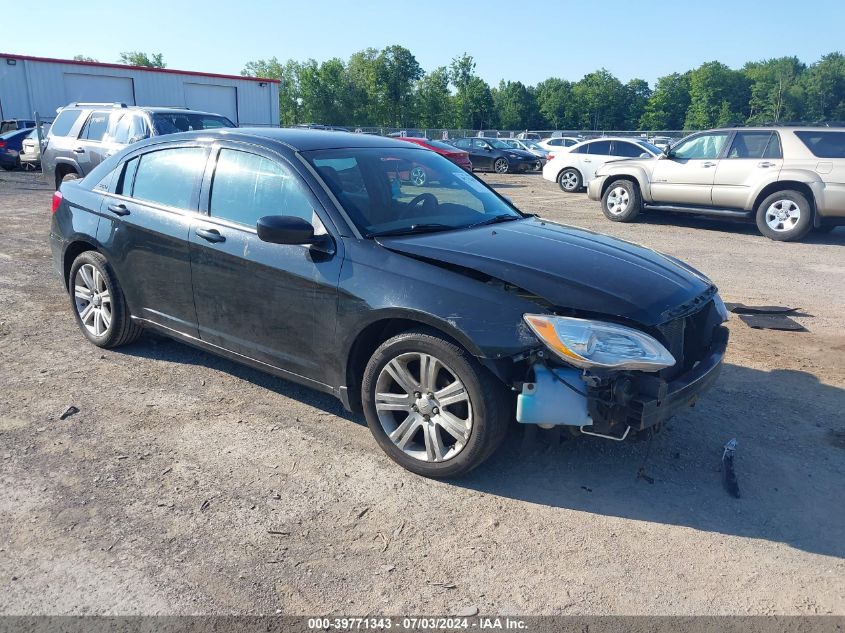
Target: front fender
637	173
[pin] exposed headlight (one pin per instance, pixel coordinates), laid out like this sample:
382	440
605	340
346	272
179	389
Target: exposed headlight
721	308
598	344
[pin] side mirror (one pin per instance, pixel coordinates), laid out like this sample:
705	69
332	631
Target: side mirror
135	139
645	155
285	229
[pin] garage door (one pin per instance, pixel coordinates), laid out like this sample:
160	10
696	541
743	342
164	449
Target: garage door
99	88
218	99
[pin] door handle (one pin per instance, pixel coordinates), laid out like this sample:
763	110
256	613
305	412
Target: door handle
708	164
78	150
765	163
119	209
210	235
587	160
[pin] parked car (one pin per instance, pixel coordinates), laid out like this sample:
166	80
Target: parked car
529	146
494	154
407	134
437	314
10	148
574	168
457	156
319	126
84	134
530	136
558	143
30	149
10	125
661	142
789	180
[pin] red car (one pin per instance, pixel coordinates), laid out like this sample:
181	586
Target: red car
457	156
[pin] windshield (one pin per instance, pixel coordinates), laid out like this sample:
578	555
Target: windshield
173	122
532	145
652	148
498	144
404	190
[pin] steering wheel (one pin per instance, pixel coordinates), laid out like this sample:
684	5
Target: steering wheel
422	200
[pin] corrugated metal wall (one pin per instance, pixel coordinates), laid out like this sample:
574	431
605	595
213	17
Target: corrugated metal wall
29	86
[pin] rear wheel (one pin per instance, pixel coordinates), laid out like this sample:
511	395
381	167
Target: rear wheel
98	302
431	406
501	166
570	180
621	201
785	216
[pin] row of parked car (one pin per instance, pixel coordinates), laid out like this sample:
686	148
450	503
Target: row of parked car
19	144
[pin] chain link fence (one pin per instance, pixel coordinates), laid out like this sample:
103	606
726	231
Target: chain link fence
450	133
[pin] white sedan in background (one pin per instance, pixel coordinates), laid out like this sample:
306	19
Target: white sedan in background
574	167
558	143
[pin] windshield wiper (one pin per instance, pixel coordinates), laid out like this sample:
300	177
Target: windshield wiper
503	217
429	227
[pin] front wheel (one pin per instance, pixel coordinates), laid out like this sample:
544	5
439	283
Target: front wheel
431	406
501	166
621	201
785	216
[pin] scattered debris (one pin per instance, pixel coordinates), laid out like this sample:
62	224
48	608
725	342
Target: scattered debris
166	470
587	489
384	541
122	457
362	512
467	612
71	410
398	530
278	532
771	322
739	308
205	505
388	568
728	472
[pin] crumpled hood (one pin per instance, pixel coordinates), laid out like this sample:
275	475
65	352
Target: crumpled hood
568	267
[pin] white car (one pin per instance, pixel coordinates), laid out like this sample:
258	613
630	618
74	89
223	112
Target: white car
529	146
574	168
558	143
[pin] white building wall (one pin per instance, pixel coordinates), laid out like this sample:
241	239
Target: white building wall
35	85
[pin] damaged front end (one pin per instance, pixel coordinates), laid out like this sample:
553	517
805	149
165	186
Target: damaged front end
608	380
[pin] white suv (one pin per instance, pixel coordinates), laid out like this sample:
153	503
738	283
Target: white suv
788	179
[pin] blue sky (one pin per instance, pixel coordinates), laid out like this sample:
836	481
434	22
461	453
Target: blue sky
517	39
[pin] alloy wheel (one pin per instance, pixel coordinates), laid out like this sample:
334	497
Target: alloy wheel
782	215
618	201
501	166
569	180
423	407
92	300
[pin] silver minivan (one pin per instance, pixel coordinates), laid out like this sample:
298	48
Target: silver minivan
85	134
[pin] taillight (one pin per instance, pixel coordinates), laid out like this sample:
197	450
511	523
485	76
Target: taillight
57	200
551	156
2	143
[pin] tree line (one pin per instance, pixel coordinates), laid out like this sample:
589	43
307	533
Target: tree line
389	88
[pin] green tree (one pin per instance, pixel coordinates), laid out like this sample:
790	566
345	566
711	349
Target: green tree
824	87
599	100
636	95
84	58
397	70
515	105
290	96
668	104
433	99
718	96
137	58
554	100
775	94
362	70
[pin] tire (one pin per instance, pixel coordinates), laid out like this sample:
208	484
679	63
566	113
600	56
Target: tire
501	165
92	271
478	413
68	176
785	216
569	180
621	201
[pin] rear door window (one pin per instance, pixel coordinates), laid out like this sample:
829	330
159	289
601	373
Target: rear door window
247	187
628	150
754	145
602	148
64	122
95	127
169	176
824	144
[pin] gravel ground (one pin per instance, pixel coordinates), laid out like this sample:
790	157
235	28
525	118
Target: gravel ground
189	484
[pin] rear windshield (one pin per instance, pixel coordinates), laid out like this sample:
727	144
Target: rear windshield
173	122
824	144
64	122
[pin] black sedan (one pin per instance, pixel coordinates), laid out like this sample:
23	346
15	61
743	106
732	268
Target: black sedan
491	154
11	144
439	310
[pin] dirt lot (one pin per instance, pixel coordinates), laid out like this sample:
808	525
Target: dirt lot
190	484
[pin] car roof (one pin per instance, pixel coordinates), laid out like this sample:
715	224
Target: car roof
300	140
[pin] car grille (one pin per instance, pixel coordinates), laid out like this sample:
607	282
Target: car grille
689	339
